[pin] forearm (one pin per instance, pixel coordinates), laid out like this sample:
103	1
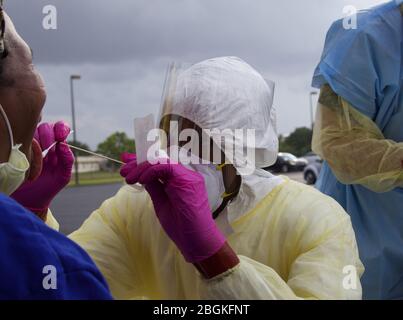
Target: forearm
249	280
354	147
310	276
221	262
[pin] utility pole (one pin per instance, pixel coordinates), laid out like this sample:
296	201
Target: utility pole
311	94
73	115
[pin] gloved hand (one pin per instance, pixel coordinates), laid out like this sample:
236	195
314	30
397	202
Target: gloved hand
181	204
37	195
127	157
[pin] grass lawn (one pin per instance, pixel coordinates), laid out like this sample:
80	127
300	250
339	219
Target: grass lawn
96	178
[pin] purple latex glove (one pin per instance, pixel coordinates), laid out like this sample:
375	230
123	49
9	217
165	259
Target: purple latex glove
127	157
180	201
37	195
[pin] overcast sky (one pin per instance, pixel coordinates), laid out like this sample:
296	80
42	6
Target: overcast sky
122	48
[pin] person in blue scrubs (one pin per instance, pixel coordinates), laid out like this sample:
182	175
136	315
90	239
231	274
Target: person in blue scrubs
36	261
40	263
359	133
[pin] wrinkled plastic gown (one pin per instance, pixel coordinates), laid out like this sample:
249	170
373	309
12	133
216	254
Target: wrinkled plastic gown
354	147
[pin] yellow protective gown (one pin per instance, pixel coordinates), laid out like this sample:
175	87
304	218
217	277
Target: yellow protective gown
354	147
51	221
295	244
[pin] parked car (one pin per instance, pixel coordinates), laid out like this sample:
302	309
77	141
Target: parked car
312	170
287	162
311	157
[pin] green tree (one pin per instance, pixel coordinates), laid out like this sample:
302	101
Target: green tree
81	145
115	145
297	143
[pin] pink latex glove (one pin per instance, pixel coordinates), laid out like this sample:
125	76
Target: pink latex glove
37	195
181	204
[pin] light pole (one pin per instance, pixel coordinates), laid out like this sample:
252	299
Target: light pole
311	94
73	115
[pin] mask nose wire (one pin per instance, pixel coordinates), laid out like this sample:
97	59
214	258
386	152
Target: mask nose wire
8	125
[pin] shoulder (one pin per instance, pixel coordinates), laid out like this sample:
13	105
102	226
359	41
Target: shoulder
314	218
30	250
129	201
126	213
368	24
360	62
312	208
9	206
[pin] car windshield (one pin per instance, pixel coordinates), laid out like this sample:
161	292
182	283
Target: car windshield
289	156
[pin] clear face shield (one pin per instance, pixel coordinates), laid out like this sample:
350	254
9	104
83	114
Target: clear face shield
183	138
188	143
218	112
215	113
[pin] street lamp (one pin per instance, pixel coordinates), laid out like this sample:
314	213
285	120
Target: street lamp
73	115
312	93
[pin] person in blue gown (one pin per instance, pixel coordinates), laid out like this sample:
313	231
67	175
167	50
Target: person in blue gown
359	133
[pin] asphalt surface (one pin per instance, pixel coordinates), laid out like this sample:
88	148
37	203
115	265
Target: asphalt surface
73	205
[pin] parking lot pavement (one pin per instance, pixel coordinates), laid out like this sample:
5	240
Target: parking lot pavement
73	205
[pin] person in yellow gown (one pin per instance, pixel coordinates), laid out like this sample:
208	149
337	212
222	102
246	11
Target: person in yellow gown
290	241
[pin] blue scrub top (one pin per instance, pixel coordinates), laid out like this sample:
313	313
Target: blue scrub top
27	246
364	66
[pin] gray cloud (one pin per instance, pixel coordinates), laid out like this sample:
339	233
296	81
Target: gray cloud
121	49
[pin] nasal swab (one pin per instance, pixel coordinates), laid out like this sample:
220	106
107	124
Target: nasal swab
136	186
46	151
95	154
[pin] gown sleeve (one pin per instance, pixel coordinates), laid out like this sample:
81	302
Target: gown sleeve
354	147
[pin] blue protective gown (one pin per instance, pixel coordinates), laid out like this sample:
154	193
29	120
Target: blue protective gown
364	66
27	245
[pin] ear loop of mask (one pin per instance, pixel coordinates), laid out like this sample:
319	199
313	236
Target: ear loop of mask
8	125
227	197
3	54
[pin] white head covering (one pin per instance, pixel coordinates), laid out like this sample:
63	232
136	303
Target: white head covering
227	93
